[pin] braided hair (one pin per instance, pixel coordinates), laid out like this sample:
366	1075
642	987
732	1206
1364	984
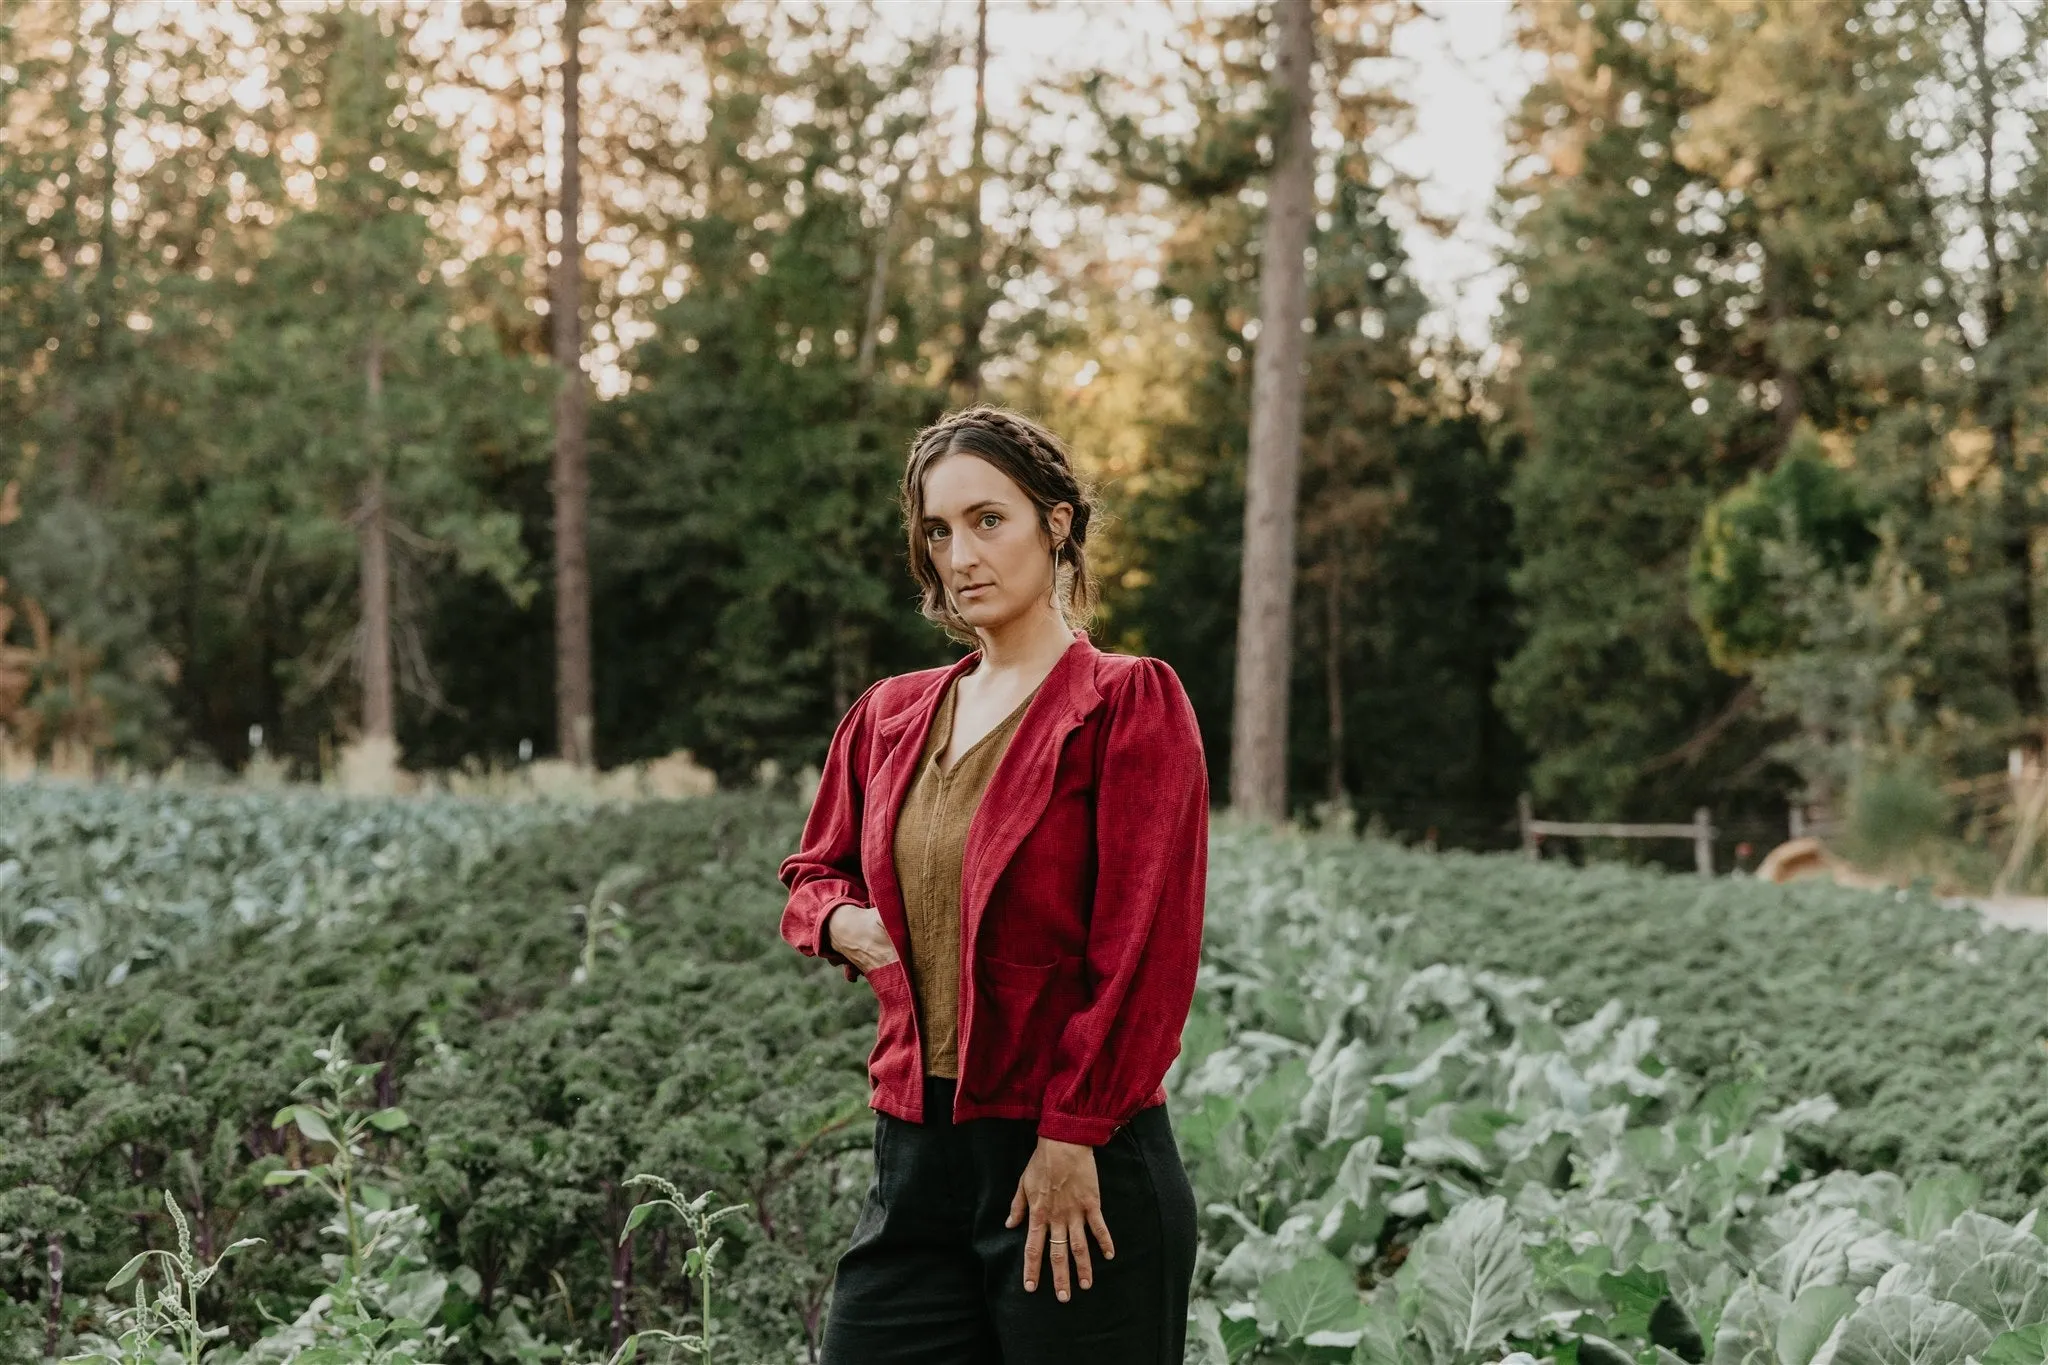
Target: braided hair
1037	462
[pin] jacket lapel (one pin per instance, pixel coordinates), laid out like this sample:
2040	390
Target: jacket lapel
1017	792
1021	785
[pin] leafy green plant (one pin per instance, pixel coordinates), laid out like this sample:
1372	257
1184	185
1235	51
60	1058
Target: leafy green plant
714	1056
1923	1023
1424	1166
164	1325
337	1120
1895	809
1406	1150
700	1262
98	884
603	919
1802	498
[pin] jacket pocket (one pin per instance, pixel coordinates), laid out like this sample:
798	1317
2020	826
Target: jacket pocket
1023	1007
895	1053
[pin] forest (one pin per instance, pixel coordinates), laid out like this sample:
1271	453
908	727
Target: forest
1737	506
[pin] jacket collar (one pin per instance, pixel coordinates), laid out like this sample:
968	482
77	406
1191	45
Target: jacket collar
1017	791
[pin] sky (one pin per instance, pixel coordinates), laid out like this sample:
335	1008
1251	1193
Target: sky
1461	72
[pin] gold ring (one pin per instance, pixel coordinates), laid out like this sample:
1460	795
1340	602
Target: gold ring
1057	1241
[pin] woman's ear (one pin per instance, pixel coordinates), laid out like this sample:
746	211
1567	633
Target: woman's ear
1059	520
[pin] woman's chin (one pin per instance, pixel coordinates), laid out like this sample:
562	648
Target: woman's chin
984	612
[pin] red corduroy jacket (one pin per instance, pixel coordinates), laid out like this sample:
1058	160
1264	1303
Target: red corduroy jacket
1080	898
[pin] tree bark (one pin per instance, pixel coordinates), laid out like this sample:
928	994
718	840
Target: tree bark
1996	407
1333	675
1258	751
104	332
53	1326
72	338
373	543
976	298
1791	398
574	718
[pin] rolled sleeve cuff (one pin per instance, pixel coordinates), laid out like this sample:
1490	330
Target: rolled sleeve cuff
1085	1129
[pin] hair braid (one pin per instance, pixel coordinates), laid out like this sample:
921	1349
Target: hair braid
1038	463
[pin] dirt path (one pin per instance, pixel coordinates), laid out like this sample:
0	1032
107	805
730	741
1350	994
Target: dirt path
2014	912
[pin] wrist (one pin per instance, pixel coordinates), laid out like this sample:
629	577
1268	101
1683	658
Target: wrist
827	949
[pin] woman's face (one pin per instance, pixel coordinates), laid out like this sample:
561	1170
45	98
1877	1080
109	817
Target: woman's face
985	542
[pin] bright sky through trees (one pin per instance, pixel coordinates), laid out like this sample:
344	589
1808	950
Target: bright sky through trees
1459	69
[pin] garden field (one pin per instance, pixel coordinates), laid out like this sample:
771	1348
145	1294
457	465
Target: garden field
1438	1109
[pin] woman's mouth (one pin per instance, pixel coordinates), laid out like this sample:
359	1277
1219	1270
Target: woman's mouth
978	587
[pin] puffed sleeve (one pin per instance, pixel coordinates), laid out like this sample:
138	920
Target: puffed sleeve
825	870
1145	925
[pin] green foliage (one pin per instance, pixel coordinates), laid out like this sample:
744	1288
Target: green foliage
380	1306
1403	1154
1611	675
103	683
1404	547
1896	808
712	1053
1802	498
1722	230
97	883
1431	1167
165	1324
700	1263
1923	1024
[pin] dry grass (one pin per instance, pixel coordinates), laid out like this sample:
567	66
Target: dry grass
376	769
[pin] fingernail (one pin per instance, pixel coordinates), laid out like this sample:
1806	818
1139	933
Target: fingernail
1030	1285
1087	1284
1063	1296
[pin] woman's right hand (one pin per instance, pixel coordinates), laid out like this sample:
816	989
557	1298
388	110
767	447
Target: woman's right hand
856	932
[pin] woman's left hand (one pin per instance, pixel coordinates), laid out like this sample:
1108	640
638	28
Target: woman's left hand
1059	1192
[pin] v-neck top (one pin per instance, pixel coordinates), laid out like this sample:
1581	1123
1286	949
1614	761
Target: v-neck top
931	840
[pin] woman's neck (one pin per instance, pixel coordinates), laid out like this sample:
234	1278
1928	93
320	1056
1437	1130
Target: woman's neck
1029	645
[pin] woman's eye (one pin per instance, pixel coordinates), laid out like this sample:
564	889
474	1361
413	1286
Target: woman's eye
987	517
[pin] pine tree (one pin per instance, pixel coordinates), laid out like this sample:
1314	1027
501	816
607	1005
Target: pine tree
355	400
1730	214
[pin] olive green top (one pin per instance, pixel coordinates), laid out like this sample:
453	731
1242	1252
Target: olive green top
931	838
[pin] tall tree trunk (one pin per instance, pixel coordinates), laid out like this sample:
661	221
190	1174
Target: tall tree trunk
885	246
72	338
53	1325
574	711
99	465
1333	674
1995	402
1258	751
976	298
373	542
1791	397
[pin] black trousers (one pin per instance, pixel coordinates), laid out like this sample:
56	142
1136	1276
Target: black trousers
932	1276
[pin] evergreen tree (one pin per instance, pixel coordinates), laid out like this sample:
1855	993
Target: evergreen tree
1727	213
359	409
751	547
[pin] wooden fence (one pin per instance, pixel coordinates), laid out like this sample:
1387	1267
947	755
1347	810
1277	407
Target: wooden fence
1700	831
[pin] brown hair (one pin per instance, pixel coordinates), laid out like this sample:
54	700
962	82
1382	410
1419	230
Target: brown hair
1037	462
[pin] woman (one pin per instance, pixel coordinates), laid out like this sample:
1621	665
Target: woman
1012	850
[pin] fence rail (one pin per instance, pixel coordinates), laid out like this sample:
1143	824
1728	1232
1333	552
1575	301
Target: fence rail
1700	831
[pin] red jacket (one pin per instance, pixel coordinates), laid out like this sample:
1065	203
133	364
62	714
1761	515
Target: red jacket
1080	897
